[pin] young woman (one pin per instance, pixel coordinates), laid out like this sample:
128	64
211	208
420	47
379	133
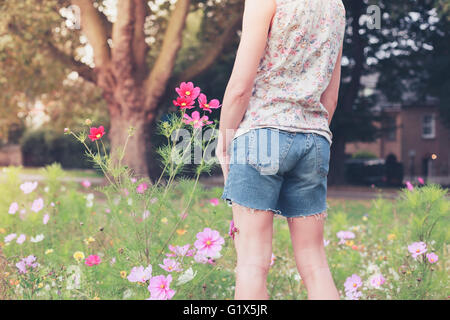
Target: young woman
274	143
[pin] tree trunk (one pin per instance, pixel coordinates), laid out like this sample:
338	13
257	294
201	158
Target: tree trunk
137	145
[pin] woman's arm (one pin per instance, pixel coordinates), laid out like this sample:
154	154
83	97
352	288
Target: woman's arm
330	96
255	28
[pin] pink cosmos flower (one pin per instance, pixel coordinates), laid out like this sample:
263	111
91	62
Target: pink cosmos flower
139	274
13	208
209	242
133	180
232	229
22	213
203	103
27	262
126	192
377	280
37	205
184	103
141	188
10	237
45	219
214	201
195	119
146	214
159	288
21	239
345	235
86	183
21	266
28	187
353	295
183	215
352	283
188	90
200	257
171	265
92	260
272	259
432	257
180	251
421	181
417	248
409	185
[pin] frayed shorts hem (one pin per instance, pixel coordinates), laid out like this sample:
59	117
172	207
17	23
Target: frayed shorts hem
321	214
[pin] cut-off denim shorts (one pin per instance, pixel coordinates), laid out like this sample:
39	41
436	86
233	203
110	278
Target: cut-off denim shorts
279	171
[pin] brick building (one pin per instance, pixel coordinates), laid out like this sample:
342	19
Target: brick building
417	139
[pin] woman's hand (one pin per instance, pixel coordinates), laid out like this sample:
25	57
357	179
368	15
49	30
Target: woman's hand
224	159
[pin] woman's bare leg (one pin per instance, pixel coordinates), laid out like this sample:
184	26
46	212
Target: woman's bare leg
309	251
253	243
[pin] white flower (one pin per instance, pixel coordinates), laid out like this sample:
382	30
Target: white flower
187	276
28	187
38	238
394	274
128	294
89	200
371	268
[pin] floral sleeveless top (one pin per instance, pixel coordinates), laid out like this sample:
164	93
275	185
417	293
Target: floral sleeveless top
301	52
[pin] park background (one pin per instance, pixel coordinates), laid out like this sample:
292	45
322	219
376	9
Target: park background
117	63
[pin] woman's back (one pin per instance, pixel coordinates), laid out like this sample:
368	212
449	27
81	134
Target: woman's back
302	48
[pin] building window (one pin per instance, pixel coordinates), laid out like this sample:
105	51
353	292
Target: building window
428	126
391	129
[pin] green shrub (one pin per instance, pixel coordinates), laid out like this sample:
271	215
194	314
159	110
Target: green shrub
363	154
45	146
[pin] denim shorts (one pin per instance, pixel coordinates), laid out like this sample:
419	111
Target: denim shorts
280	171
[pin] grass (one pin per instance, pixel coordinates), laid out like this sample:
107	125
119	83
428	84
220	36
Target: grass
74	173
116	229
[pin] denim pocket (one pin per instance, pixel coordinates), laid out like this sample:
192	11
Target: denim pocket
322	154
264	150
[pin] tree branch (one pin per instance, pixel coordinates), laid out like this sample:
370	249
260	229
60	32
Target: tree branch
107	24
83	70
140	48
122	37
94	28
214	50
162	69
57	54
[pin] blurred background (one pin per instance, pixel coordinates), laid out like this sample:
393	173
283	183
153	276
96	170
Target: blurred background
117	62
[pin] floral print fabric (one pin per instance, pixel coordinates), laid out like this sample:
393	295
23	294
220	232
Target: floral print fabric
302	49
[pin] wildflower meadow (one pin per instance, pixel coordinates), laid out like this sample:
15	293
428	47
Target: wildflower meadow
172	238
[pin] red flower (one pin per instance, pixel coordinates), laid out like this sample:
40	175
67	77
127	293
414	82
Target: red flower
213	104
92	260
96	133
188	90
184	102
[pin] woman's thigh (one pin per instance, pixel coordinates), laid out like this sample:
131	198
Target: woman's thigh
253	240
